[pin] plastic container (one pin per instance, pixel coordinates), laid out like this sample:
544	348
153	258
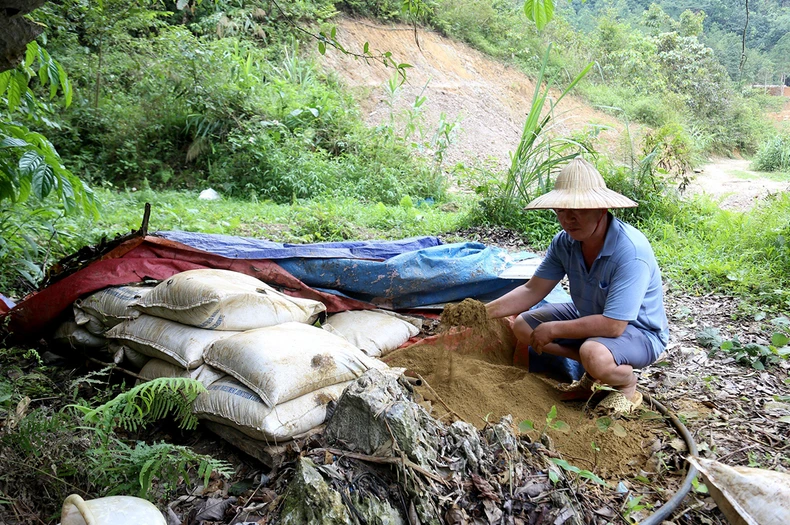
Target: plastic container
112	510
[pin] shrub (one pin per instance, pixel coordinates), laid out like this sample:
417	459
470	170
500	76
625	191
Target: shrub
774	155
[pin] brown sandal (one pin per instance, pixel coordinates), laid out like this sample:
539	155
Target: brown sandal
616	404
577	390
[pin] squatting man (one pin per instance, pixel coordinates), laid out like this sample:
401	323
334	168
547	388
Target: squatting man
616	322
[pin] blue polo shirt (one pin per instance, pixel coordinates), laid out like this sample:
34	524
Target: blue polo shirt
624	282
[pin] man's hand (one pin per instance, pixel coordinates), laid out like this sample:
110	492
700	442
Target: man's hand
542	335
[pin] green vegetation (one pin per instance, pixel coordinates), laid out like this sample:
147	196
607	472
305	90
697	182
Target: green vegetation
774	155
758	355
160	104
166	103
56	451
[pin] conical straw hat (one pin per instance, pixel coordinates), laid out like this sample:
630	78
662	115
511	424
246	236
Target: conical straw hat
579	186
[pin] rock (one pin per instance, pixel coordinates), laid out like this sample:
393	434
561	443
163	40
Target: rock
376	511
465	437
502	434
375	409
209	195
309	500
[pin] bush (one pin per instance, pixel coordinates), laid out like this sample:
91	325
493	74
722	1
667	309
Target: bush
381	9
773	155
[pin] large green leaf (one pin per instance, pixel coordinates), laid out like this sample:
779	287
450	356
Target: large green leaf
16	89
5	78
29	162
12	142
539	11
43	181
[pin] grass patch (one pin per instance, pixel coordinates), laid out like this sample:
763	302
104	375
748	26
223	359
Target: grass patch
780	176
302	221
714	250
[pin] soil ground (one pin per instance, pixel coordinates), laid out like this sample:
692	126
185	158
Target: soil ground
731	410
489	100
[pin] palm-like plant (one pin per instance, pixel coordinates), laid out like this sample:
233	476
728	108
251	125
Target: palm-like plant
537	152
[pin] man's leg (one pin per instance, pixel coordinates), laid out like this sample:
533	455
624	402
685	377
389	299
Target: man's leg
599	363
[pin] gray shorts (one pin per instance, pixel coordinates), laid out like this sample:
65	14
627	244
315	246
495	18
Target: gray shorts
632	348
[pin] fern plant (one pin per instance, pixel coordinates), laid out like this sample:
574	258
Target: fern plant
146	403
126	468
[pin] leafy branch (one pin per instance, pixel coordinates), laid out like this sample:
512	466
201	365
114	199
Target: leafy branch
29	163
582	473
331	40
146	403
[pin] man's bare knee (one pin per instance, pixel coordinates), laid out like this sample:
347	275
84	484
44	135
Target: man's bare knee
595	357
522	329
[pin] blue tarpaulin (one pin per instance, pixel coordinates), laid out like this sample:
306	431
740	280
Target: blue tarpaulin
449	272
250	248
402	274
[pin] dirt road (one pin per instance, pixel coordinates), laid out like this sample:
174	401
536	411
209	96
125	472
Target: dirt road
734	184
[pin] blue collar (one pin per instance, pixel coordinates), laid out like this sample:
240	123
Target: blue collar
612	236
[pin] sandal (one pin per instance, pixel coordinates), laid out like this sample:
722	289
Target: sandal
616	404
581	389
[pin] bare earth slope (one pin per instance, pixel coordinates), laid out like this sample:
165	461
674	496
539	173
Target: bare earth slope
490	99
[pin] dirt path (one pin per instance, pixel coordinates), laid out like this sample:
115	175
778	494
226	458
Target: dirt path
734	184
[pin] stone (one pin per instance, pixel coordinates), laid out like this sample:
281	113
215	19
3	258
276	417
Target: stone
376	511
309	500
375	410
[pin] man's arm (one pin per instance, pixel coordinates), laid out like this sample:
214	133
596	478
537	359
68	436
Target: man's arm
582	328
521	299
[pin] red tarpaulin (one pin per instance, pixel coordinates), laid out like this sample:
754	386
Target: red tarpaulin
151	258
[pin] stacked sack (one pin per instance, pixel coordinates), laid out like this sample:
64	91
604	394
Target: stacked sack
269	373
98	313
375	332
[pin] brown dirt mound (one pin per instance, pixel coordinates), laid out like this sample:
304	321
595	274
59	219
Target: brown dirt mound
476	384
490	99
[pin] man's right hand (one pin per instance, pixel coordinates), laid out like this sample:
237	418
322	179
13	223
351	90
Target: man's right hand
520	299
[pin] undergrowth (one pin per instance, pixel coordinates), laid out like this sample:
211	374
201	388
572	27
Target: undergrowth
51	451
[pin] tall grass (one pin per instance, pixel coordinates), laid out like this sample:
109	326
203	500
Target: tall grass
707	249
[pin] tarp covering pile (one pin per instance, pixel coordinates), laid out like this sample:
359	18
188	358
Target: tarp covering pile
252	342
344	276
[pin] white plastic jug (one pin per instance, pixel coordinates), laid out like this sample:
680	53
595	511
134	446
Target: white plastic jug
112	510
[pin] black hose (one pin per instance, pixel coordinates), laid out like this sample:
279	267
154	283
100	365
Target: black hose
663	512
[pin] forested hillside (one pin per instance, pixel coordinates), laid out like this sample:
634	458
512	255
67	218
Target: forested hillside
764	36
158	96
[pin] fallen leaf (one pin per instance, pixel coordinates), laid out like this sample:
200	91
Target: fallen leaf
485	488
678	444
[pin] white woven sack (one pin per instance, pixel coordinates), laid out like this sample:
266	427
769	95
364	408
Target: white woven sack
173	342
286	361
156	368
375	332
230	403
72	335
123	354
225	300
106	308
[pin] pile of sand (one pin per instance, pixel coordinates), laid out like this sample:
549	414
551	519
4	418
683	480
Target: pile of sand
468	367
